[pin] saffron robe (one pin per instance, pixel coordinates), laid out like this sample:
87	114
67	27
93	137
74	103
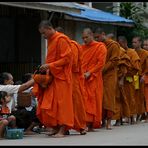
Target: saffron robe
110	75
55	106
143	54
78	87
129	83
93	60
121	104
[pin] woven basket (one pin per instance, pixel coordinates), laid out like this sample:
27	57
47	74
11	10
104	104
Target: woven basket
24	99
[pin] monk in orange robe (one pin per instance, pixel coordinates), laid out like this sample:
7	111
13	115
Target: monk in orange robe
143	54
109	75
137	43
121	104
77	87
55	106
145	46
93	60
132	70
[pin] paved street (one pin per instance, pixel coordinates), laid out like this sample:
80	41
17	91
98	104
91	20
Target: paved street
120	135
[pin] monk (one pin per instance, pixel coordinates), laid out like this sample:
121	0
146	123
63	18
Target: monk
77	87
143	54
121	104
133	69
145	46
109	75
93	60
55	106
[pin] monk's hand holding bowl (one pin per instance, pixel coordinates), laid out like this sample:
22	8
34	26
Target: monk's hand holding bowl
44	67
87	75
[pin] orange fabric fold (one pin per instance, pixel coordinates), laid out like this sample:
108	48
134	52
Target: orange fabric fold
93	60
78	88
55	106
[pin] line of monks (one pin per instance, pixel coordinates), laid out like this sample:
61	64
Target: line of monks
94	83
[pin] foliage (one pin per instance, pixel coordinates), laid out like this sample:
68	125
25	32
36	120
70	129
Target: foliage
132	11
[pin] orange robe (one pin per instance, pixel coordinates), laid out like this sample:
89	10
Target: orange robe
78	88
55	106
129	83
93	60
110	77
143	54
121	104
146	91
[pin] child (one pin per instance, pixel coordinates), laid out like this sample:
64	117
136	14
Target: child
26	116
6	119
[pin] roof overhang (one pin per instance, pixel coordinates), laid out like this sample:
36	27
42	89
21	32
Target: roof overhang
98	16
67	17
62	7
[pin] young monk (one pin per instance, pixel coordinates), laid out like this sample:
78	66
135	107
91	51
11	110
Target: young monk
145	46
77	87
143	54
134	68
93	61
55	106
122	109
109	75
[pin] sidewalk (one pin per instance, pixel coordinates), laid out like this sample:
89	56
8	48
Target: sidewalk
120	135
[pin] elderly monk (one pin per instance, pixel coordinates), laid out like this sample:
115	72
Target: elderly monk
143	54
93	60
145	46
77	87
109	75
129	79
55	106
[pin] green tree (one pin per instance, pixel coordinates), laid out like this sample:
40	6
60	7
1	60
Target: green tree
134	12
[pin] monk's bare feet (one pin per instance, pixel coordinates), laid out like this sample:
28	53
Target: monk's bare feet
108	124
58	135
52	131
89	129
83	131
108	128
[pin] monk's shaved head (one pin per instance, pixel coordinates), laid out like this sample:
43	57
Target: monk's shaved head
87	35
46	29
45	24
99	34
88	31
123	38
99	30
